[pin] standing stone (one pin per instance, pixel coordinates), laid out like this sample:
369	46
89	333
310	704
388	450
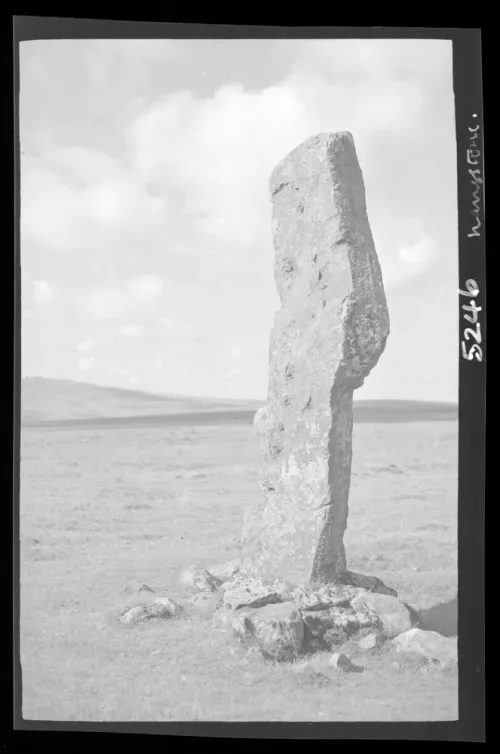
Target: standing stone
328	334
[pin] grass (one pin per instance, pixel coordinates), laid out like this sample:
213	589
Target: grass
101	507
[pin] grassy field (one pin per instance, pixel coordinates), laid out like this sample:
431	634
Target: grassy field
101	506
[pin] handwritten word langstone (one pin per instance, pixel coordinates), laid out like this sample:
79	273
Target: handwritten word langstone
328	334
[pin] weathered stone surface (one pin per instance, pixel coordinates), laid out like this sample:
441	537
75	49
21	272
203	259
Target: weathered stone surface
429	644
334	626
370	641
341	661
255	592
313	644
222	619
133	614
328	335
205	603
323	597
334	616
361	581
200	579
161	608
277	629
393	613
225	571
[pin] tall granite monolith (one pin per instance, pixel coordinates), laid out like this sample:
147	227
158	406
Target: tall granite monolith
328	334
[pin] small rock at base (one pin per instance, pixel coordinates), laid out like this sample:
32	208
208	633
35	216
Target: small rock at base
394	615
370	641
340	661
334	626
277	630
159	608
133	614
430	644
199	579
165	603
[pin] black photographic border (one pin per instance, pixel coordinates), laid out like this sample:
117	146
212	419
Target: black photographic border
467	76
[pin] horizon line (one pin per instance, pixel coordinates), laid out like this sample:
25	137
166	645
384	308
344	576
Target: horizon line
212	397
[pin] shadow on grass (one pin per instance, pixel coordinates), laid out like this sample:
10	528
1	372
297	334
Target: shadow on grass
442	618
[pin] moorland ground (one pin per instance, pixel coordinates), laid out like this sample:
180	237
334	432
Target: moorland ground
100	506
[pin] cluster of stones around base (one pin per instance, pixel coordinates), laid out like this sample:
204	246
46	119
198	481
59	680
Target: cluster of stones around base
285	622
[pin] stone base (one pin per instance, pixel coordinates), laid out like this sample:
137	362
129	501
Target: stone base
285	621
276	617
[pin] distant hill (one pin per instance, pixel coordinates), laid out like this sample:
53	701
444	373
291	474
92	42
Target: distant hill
48	402
44	399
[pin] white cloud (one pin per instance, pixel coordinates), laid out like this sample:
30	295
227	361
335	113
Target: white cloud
145	288
232	374
106	303
46	208
131	330
86	345
104	202
235	352
117	369
219	153
86	363
114	302
176	326
42	292
361	60
75	198
158	361
418	258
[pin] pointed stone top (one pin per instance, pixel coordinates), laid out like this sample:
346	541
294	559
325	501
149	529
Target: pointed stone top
308	156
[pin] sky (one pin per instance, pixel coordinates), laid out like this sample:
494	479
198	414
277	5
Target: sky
146	242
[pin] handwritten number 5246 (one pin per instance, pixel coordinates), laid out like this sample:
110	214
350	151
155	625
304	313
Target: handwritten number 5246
472	290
